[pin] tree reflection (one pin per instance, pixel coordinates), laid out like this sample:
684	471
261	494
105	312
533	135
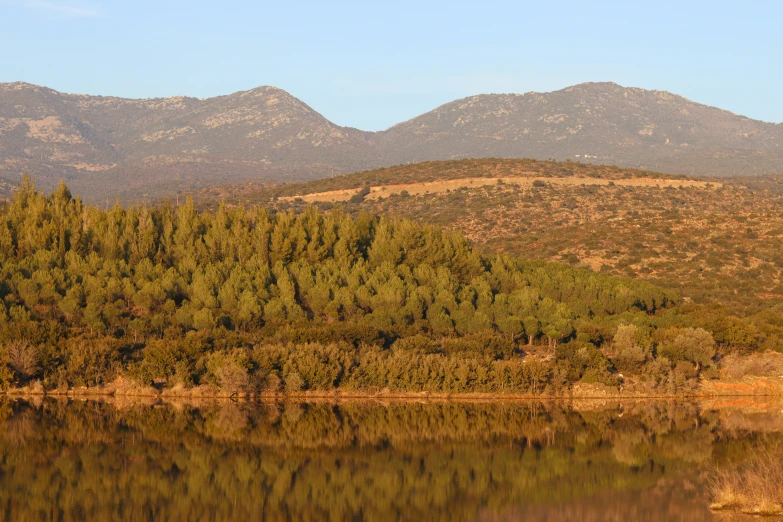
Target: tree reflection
69	460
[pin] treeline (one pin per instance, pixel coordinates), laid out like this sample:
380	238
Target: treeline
247	299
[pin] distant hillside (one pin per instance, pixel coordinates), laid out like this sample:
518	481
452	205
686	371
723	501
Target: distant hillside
592	122
103	145
106	146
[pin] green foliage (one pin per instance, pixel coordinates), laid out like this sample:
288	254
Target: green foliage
584	362
359	196
175	296
633	348
229	371
91	362
718	243
689	345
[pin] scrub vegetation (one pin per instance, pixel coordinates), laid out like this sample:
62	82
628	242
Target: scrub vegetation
250	300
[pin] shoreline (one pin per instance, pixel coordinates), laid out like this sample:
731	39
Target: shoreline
756	388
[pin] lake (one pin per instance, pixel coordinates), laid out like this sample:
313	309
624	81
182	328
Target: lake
434	461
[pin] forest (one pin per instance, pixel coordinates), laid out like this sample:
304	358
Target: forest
252	300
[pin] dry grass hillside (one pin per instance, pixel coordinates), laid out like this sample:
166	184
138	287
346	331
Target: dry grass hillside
447	185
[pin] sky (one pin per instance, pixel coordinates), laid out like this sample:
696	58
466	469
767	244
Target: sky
371	64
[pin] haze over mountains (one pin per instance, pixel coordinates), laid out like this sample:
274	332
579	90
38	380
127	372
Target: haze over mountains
106	146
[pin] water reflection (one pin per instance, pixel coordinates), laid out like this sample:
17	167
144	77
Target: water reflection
78	460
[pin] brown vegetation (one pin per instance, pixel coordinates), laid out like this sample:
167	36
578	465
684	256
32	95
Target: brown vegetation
756	487
22	358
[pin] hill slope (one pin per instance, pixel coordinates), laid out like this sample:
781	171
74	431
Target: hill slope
718	242
106	146
241	301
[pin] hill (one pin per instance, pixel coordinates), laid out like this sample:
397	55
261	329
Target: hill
141	149
717	242
241	301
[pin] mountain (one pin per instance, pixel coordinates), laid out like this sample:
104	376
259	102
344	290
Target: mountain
107	146
593	122
117	144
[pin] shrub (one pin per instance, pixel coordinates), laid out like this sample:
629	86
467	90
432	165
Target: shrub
657	372
416	343
271	382
175	361
355	334
293	382
484	344
580	360
22	358
319	367
91	362
359	196
6	375
229	371
694	345
632	348
767	364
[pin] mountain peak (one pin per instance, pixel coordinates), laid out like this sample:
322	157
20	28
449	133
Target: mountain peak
22	86
594	86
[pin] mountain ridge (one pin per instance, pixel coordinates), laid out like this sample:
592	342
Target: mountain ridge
585	84
105	145
570	88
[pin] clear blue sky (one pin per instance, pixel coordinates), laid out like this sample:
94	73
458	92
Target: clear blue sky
371	64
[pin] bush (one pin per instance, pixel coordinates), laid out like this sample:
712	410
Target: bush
417	344
694	345
580	360
319	367
484	344
271	382
229	371
6	375
766	364
303	333
532	376
23	359
657	373
632	348
91	362
359	196
293	382
175	361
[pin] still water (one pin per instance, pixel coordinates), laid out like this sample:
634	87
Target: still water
508	461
